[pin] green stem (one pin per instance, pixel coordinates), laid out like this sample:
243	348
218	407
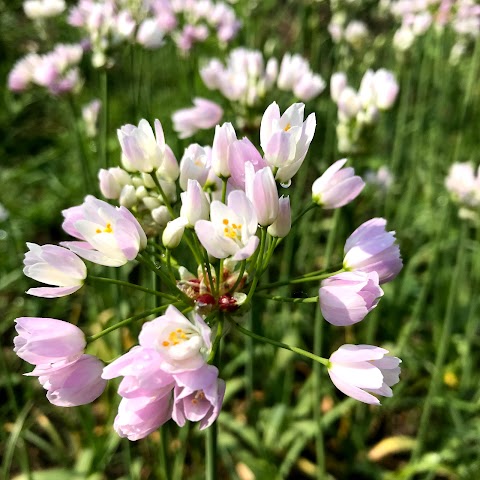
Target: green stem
127	322
105	113
300	351
302	279
279	298
442	348
303	212
243	264
162	194
211	447
131	285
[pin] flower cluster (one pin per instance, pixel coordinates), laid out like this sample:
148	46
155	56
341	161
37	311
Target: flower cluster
167	376
355	33
464	187
231	218
462	16
57	71
358	111
56	348
108	23
245	80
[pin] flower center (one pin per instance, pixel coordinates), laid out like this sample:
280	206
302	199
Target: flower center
176	336
232	231
288	126
107	229
199	395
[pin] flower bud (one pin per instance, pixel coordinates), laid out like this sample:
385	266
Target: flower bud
195	205
281	226
173	233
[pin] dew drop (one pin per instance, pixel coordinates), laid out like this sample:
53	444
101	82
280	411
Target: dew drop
286	184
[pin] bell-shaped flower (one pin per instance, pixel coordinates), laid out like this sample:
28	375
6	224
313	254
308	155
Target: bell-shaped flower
111	235
386	89
357	370
195	165
112	181
281	226
76	384
139	416
231	229
261	190
224	136
142	372
285	139
337	186
182	344
173	233
204	115
47	342
346	298
54	265
240	153
142	150
370	248
195	204
198	396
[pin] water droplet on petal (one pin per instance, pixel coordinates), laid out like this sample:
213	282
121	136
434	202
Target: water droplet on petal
286	184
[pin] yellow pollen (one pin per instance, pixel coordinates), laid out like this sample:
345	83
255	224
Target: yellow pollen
225	221
200	395
226	229
107	229
175	337
194	401
287	127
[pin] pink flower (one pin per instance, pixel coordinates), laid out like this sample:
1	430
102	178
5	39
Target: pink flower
198	396
142	150
76	384
346	298
358	369
285	139
183	345
370	248
282	225
194	165
224	136
195	205
337	187
231	229
111	235
239	154
112	181
139	416
48	343
54	265
205	114
261	190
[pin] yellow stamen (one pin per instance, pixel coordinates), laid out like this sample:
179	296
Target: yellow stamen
287	127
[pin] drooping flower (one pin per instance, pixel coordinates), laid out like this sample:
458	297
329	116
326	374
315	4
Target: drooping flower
337	186
47	342
360	370
76	384
110	235
231	229
139	416
142	150
370	248
198	396
346	298
203	115
285	139
54	265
